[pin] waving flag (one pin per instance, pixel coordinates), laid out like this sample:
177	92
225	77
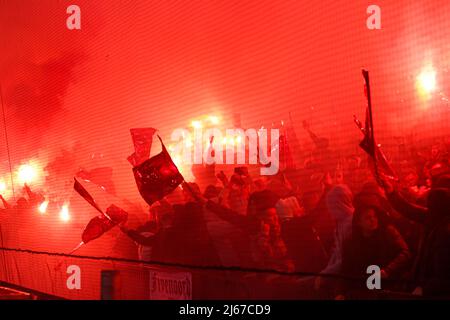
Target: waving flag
97	226
142	140
368	143
157	176
103	223
286	158
85	194
101	176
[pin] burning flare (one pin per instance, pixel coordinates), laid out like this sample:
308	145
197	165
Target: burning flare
426	81
26	174
64	214
43	207
2	186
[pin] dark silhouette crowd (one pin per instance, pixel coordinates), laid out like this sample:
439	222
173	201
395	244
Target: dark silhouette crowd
333	217
329	218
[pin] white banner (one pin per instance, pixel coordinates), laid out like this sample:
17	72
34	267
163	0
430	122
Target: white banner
170	285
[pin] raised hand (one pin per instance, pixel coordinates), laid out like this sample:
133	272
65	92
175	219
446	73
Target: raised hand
223	178
385	182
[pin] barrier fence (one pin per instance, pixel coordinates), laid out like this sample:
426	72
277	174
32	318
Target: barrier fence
116	278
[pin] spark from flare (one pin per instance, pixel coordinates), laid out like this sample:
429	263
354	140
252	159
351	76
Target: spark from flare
2	186
43	207
26	173
214	120
197	124
64	214
426	81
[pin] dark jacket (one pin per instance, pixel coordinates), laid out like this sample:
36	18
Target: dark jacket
187	241
432	267
385	249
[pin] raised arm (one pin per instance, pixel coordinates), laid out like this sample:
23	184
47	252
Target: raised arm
400	204
227	214
139	238
407	209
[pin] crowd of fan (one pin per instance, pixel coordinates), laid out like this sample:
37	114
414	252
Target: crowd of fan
330	218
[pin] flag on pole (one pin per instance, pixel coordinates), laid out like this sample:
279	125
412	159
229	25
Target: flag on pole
157	176
286	158
142	140
85	194
97	226
101	176
368	144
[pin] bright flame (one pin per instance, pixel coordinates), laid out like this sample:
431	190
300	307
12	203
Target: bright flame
2	186
229	141
26	173
43	207
184	169
64	214
188	143
214	120
196	124
426	80
176	160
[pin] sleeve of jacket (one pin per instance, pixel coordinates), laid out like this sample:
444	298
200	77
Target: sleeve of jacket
140	239
403	257
343	283
409	210
341	236
227	214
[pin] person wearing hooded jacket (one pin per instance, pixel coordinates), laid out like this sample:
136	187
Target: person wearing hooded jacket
340	204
